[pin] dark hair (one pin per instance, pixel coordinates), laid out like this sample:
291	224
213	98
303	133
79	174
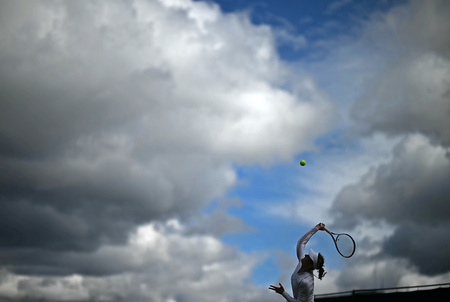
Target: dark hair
320	263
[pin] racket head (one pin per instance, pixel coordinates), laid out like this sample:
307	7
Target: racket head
345	245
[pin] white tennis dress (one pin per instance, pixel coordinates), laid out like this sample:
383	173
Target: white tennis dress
302	284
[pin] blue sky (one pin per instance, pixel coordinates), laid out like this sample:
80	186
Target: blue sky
151	147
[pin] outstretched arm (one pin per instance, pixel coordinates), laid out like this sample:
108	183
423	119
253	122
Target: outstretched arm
301	244
280	290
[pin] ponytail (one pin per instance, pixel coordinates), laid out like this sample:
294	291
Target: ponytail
321	262
321	273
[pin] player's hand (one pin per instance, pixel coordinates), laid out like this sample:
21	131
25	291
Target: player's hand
279	290
320	226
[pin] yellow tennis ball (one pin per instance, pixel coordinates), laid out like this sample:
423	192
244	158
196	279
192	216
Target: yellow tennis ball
302	162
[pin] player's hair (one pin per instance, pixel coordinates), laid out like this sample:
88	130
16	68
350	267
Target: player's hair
320	263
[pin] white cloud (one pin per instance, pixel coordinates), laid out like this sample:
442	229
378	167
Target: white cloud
152	100
212	81
336	5
118	114
158	263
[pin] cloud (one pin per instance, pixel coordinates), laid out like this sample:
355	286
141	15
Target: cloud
404	199
422	240
114	115
411	97
337	5
412	187
158	263
411	93
287	38
156	69
217	223
370	273
409	193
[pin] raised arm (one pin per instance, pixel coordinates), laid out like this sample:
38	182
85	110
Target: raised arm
301	244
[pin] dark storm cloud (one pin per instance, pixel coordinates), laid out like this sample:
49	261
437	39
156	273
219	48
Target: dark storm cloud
408	98
410	193
45	114
72	177
81	208
412	187
63	206
412	92
430	249
426	27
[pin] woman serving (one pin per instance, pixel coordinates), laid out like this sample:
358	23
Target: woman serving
302	278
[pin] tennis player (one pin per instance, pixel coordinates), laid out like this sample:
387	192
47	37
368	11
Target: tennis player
302	279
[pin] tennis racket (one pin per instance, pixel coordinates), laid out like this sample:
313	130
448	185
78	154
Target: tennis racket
344	243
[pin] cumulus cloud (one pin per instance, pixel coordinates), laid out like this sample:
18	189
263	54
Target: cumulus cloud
383	272
403	199
158	263
412	187
411	94
116	114
409	194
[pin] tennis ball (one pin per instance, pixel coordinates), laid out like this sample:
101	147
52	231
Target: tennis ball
302	162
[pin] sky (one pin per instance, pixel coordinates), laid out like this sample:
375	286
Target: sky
150	148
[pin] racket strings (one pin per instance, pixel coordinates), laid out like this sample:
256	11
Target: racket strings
345	245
